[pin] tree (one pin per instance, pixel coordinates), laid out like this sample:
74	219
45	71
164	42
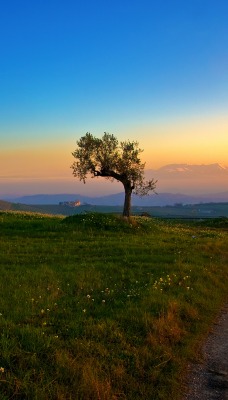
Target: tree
108	158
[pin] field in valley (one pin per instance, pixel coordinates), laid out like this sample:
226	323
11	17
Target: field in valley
95	307
191	211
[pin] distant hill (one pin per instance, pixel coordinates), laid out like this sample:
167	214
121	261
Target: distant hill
162	199
5	205
202	210
177	183
38	208
186	183
193	169
190	178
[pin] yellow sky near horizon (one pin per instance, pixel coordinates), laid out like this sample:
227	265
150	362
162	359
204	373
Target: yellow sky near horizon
197	141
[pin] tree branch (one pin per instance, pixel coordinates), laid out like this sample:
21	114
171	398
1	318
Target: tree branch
109	174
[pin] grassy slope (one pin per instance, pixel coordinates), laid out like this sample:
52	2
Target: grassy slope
93	307
5	205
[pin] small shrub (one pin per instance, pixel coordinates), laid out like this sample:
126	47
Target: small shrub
106	222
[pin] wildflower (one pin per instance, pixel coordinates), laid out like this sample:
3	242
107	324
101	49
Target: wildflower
103	301
2	369
84	310
42	311
88	296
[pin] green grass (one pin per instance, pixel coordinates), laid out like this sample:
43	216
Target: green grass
98	307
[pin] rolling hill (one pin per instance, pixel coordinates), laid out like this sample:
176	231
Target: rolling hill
117	199
202	210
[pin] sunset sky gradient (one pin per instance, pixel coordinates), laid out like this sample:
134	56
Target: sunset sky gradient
151	71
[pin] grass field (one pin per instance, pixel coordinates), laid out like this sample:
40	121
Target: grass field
97	307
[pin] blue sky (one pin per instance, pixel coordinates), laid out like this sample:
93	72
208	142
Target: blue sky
156	71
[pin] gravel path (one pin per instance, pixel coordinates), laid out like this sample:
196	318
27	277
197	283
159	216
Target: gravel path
209	380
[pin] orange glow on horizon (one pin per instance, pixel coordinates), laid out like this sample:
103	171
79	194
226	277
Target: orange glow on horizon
197	141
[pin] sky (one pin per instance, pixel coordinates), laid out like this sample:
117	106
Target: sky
151	71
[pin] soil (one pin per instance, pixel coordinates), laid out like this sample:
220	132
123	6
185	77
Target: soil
209	380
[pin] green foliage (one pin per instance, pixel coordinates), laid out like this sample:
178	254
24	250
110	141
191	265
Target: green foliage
101	307
108	158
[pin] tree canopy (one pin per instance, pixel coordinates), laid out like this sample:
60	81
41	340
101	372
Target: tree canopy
111	159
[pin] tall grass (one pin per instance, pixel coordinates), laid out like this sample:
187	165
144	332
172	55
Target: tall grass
98	307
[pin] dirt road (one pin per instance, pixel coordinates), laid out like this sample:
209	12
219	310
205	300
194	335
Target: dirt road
209	380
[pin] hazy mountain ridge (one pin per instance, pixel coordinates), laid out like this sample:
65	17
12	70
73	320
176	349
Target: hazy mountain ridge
177	183
117	199
190	178
201	210
5	205
192	169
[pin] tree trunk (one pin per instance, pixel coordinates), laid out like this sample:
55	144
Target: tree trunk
127	201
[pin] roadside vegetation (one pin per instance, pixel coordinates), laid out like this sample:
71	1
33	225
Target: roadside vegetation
100	307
